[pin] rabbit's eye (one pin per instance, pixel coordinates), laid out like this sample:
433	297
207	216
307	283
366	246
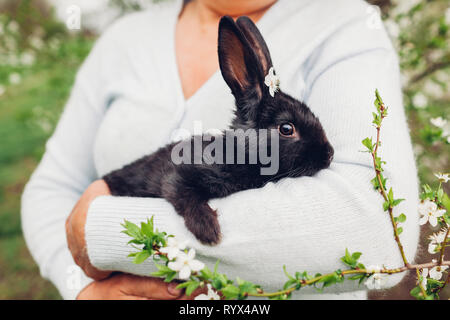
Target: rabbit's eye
286	129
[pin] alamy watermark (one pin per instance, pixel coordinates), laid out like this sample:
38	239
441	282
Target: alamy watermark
250	146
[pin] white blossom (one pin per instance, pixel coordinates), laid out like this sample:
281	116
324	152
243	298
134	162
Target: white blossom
173	248
436	239
36	42
443	177
27	58
376	281
185	264
272	81
436	272
424	278
211	295
420	100
13	27
15	78
447	16
430	212
438	122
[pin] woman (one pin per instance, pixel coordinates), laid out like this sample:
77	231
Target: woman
156	71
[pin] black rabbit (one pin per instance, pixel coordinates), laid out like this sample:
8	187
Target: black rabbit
303	148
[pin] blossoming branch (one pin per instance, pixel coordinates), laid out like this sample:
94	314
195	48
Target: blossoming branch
172	257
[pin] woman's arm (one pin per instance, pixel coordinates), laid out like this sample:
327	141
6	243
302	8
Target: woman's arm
304	223
67	169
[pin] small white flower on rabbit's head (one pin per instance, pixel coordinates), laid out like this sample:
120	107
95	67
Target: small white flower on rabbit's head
272	81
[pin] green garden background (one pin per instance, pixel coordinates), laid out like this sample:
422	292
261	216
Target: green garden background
39	58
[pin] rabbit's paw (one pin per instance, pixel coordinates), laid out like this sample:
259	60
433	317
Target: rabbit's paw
203	223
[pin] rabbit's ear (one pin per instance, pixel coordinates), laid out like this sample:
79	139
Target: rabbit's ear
256	41
238	62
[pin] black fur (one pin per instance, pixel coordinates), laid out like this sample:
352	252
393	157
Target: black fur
244	61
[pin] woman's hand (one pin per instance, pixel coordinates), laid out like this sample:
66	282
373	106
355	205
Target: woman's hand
129	287
75	226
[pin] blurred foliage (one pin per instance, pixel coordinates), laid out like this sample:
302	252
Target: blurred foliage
38	62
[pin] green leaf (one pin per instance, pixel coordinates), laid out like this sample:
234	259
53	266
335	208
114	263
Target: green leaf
396	202
367	142
147	228
132	230
141	257
356	255
170	277
162	271
183	285
192	286
287	274
289	283
330	280
416	292
399	230
386	206
401	218
391	195
230	291
206	273
378	96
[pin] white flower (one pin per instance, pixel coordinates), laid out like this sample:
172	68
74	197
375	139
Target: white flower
436	272
15	78
446	133
424	278
438	122
420	100
36	42
376	281
173	248
447	16
436	240
13	27
2	90
212	294
272	81
27	58
443	177
185	264
430	212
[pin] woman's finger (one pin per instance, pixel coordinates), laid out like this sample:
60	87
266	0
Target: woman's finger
150	288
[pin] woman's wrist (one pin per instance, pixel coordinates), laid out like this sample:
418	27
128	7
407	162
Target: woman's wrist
75	229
